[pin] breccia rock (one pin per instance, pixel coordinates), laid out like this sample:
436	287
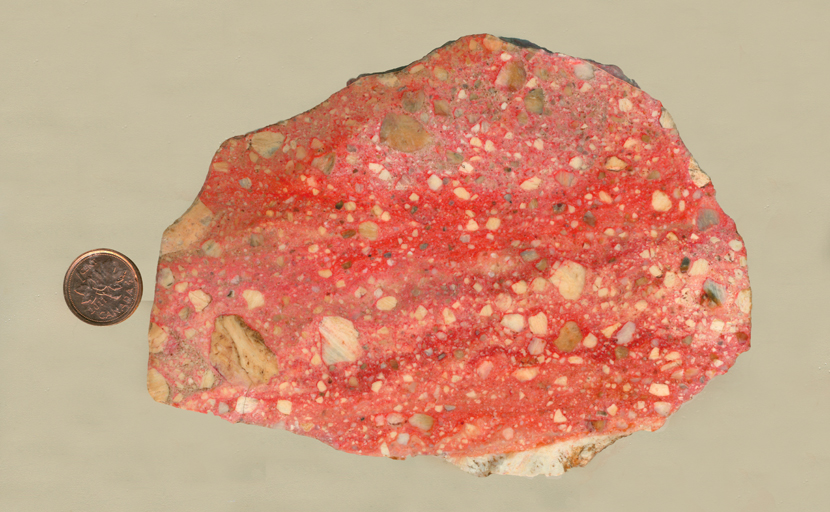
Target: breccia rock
497	254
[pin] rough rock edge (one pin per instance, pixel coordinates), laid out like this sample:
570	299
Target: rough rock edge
611	69
550	460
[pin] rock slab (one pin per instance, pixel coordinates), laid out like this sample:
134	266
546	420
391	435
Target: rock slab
497	254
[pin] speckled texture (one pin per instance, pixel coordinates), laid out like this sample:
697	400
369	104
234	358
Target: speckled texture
492	250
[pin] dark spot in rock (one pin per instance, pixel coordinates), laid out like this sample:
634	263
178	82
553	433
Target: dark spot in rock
713	294
590	219
707	218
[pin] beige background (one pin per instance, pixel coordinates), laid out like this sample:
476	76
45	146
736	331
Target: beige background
111	111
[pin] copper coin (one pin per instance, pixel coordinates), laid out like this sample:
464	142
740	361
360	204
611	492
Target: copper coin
102	287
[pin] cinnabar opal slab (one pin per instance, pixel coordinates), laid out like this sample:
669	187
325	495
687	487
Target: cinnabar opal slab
497	254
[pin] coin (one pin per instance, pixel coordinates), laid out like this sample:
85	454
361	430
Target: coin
102	287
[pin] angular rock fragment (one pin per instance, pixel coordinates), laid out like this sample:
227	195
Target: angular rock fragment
498	255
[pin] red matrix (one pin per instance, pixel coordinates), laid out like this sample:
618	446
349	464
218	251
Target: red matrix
493	250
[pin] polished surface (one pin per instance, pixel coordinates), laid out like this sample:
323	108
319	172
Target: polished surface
111	113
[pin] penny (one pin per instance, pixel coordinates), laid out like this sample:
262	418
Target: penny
102	287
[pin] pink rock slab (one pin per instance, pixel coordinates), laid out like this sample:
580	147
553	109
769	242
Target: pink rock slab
497	254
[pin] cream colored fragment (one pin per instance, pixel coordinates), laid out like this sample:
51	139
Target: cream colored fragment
700	178
472	225
699	268
187	230
744	300
558	417
448	316
340	340
239	353
610	330
519	287
199	299
387	303
166	278
538	324
736	245
461	193
158	337
536	346
531	183
584	71
208	380
512	76
515	322
666	120
662	408
660	201
434	182
576	162
625	104
657	389
420	313
157	386
246	405
493	223
284	406
526	374
325	273
422	421
570	279
670	280
254	298
605	197
267	143
389	80
589	341
487	310
539	284
212	248
503	301
484	369
615	164
368	230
